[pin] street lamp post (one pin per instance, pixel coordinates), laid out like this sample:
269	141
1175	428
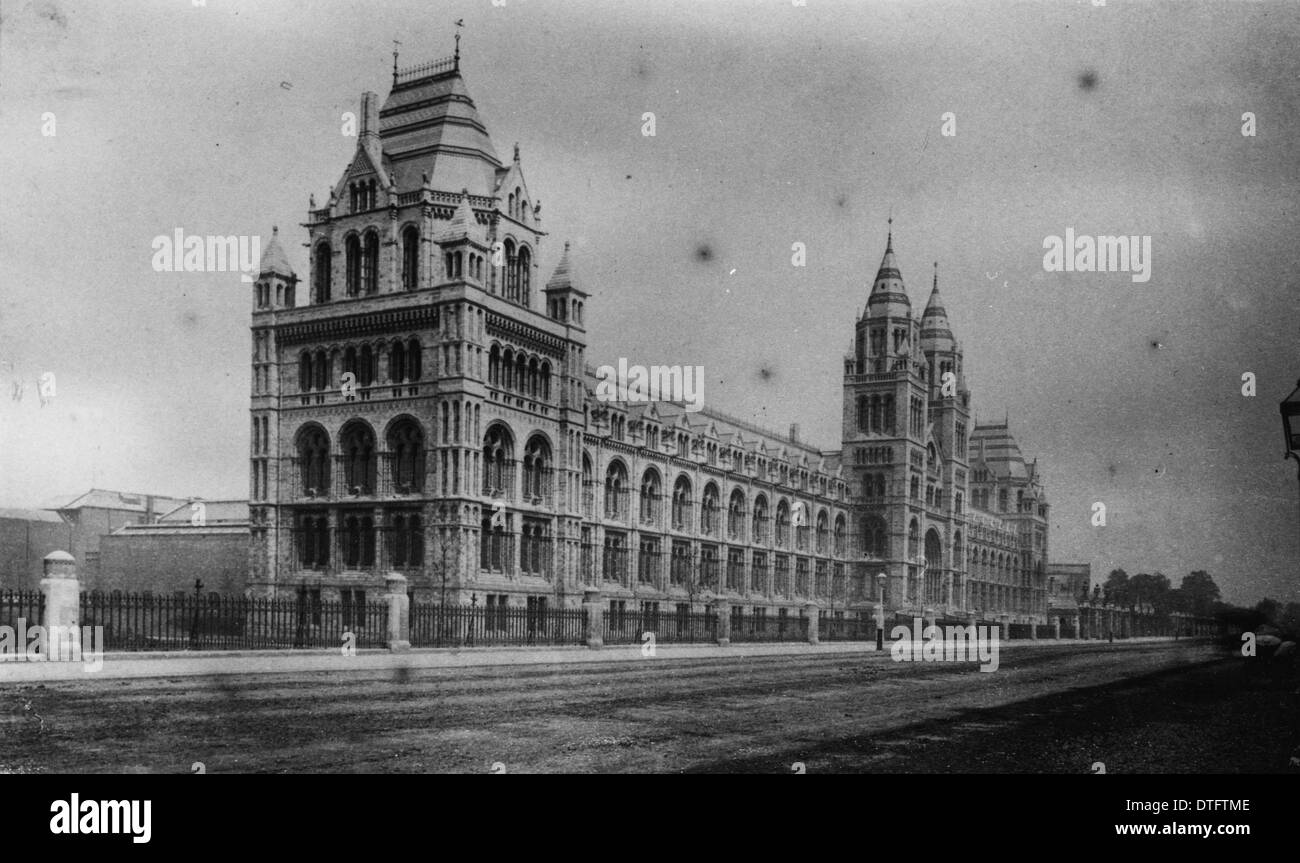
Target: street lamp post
1290	408
880	610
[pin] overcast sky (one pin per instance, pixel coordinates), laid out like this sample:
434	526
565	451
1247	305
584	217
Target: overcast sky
775	124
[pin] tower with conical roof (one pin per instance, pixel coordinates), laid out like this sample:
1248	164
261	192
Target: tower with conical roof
884	431
274	295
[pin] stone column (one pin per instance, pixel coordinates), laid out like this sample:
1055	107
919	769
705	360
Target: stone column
810	612
595	609
1056	628
399	612
62	607
722	608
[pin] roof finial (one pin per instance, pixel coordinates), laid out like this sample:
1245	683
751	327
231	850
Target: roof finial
889	243
456	57
395	44
516	151
936	275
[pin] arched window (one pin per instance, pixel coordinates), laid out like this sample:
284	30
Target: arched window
313	446
546	381
521	373
958	552
411	258
524	278
650	494
913	538
321	273
615	490
508	367
357	442
406	456
511	274
324	371
533	389
736	515
709	510
760	519
352	254
823	532
588	486
304	372
498	463
682	504
494	366
839	536
537	470
875	538
414	360
783	524
933	551
366	366
397	363
370	264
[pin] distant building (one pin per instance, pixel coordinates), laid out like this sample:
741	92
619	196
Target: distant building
26	536
73	524
98	513
183	545
1067	585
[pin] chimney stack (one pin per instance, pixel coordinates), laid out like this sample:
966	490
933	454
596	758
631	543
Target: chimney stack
369	114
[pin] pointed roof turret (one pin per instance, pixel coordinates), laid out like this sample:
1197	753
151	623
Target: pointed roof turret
563	279
888	296
274	260
936	335
463	224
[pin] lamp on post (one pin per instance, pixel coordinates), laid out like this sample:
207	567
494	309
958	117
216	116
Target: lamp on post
880	610
1290	408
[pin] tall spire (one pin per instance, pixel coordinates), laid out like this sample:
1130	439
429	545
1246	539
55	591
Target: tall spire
888	296
935	332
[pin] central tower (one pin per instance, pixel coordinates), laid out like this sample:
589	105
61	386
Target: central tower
904	447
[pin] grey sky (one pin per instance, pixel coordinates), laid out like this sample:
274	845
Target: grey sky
775	124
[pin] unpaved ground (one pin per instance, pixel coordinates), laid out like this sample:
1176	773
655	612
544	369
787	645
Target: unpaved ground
1172	707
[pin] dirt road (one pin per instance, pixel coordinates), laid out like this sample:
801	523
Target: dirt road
1172	707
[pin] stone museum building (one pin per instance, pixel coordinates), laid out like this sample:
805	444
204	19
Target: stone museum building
422	402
